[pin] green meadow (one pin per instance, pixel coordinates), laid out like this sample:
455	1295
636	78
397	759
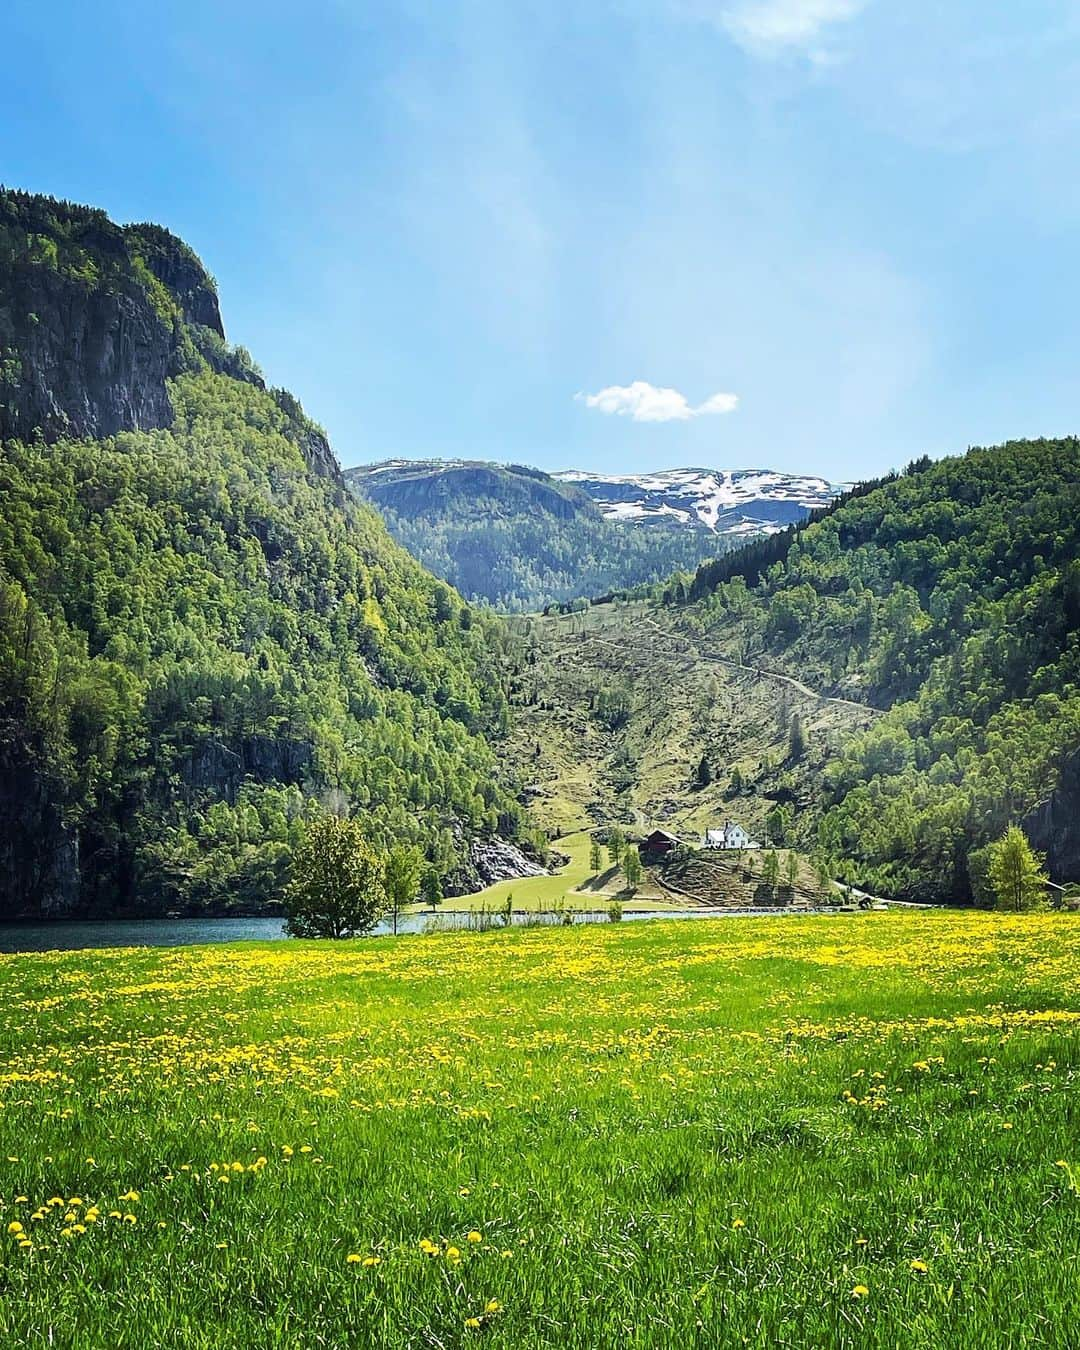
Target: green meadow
819	1131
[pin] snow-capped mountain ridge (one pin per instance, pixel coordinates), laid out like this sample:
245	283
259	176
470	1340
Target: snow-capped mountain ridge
724	501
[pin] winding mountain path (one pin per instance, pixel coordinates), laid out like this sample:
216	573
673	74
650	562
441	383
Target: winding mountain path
789	680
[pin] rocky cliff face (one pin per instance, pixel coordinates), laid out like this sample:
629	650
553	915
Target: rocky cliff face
39	854
1053	827
89	363
223	768
95	318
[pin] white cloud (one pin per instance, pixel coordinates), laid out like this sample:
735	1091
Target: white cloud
766	25
718	403
644	402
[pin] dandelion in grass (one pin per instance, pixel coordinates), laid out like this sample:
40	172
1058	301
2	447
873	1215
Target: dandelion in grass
474	1236
919	1267
860	1291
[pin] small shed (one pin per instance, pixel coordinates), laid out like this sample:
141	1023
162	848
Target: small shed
658	843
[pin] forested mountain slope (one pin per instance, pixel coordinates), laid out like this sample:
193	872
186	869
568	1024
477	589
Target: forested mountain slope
924	631
203	636
517	538
950	598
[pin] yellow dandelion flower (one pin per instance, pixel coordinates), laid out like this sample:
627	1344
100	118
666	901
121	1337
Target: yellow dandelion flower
492	1306
353	1259
14	1227
738	1223
130	1218
472	1323
474	1236
22	1200
452	1254
860	1291
372	1260
919	1267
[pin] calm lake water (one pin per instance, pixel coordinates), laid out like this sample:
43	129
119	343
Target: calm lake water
76	936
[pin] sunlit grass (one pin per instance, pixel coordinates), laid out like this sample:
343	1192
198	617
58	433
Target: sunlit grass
812	1132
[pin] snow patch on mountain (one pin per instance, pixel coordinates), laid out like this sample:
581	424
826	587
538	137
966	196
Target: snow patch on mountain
724	501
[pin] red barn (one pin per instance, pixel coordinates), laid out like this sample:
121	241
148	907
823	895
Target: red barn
658	843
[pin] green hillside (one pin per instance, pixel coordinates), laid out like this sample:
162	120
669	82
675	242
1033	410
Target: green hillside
203	637
951	599
929	632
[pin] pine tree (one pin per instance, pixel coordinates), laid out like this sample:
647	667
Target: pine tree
1016	872
596	857
632	868
704	772
616	843
770	870
796	737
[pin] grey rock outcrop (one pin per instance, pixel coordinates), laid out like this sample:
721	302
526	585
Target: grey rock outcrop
496	860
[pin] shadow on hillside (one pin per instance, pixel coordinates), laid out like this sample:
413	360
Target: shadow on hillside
600	880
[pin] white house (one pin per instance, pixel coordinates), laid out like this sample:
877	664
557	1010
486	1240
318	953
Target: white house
731	836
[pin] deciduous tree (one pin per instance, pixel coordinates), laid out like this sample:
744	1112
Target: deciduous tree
337	887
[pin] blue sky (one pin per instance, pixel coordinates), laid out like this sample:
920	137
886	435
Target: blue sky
817	235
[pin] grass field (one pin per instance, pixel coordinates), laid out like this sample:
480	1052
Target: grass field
858	1131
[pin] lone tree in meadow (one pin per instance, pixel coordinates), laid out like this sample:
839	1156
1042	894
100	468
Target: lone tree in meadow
616	845
402	871
337	887
1016	872
596	857
632	868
